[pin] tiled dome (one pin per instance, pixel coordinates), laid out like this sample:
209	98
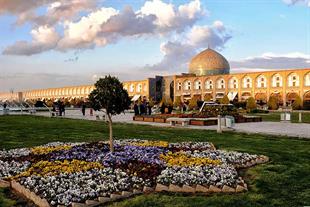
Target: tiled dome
209	62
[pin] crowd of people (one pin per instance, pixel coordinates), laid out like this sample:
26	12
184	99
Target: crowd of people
143	108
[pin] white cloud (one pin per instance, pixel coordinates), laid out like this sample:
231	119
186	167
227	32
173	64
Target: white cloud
177	54
214	36
164	13
168	17
270	60
43	38
301	2
105	25
56	10
84	33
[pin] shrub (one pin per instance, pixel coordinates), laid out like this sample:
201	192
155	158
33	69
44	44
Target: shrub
273	103
240	104
207	97
261	111
251	104
177	101
193	103
297	104
224	100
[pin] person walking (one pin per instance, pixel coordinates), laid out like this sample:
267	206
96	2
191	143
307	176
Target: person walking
136	109
83	109
60	108
63	108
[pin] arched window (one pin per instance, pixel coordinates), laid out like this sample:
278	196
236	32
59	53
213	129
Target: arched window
209	84
139	88
293	80
220	83
233	83
247	82
179	86
276	80
187	85
307	79
132	88
261	81
197	85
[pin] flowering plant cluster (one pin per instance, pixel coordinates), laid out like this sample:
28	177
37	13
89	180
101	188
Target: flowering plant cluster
63	173
46	150
46	168
183	159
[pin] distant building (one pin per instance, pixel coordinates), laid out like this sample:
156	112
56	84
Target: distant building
209	78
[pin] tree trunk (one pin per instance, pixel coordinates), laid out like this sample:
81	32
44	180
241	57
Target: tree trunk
111	133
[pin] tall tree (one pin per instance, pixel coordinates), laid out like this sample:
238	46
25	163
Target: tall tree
109	95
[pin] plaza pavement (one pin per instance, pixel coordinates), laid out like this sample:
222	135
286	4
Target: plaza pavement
301	130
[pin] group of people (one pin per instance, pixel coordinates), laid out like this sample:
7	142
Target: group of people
59	107
143	108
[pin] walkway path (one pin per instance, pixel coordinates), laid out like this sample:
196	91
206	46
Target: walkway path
272	128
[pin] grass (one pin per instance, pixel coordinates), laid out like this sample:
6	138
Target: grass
275	117
284	181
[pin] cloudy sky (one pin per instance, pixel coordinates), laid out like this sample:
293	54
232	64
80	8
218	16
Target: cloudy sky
52	43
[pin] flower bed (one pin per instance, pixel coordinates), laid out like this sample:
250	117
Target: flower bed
68	173
162	118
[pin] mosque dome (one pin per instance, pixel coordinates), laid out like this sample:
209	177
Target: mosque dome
209	62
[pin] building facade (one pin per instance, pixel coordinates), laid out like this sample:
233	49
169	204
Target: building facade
209	78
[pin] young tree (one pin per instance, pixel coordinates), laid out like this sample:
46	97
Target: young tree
177	101
297	104
251	104
273	103
207	97
224	100
193	103
109	95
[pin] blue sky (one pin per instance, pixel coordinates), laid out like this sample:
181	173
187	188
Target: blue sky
249	33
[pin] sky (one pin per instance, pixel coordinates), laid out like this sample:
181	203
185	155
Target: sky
54	43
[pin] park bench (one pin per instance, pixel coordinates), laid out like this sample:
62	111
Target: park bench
174	120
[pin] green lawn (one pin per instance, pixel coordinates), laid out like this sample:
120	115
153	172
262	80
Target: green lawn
275	117
284	181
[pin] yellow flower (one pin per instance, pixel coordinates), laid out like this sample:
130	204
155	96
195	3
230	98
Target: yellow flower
44	168
182	159
151	144
46	150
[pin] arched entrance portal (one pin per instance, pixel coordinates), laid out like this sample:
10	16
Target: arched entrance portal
245	96
291	97
307	96
306	103
261	98
278	96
